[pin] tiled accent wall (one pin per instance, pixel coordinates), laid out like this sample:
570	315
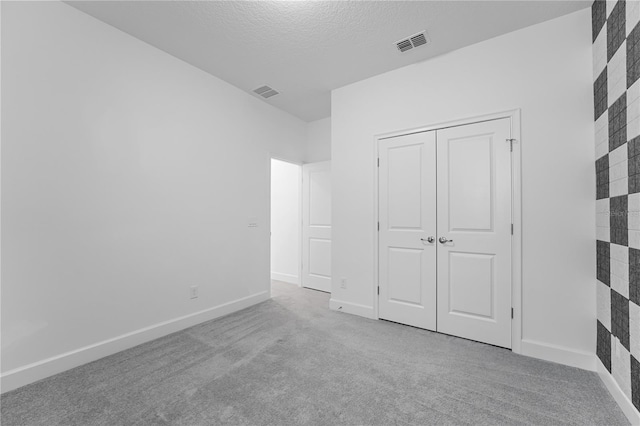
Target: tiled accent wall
616	93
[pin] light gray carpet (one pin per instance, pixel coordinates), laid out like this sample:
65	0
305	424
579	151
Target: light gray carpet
292	361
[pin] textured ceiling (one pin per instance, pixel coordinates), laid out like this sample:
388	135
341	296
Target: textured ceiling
304	49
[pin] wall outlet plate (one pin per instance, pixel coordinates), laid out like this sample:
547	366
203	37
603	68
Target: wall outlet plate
193	292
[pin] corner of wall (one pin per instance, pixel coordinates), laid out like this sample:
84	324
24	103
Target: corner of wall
318	143
34	372
618	394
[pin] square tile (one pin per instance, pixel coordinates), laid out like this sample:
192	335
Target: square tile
602	178
619	253
603	295
618	123
619	236
619	171
603	346
616	29
620	318
621	368
603	259
619	187
619	212
602	207
619	220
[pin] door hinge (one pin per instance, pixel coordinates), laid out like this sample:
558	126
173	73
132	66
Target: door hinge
510	144
512	229
378	290
378	226
378	162
511	313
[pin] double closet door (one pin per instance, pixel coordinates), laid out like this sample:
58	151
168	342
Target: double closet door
445	231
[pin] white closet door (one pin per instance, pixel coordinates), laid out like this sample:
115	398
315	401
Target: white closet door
407	214
316	226
474	215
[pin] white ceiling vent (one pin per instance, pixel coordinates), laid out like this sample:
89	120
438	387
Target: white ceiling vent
412	41
266	91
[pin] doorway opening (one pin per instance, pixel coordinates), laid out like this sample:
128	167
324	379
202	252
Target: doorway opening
286	222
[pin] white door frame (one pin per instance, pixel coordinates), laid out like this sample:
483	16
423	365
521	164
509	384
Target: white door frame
299	260
516	211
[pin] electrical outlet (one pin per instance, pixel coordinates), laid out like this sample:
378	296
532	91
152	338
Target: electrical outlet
343	283
193	292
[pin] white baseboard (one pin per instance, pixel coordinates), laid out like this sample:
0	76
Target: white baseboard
48	367
287	278
618	395
351	308
559	354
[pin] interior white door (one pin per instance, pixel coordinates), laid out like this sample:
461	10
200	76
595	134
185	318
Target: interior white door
316	226
474	232
407	215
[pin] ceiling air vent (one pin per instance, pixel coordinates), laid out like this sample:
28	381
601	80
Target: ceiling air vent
412	41
266	91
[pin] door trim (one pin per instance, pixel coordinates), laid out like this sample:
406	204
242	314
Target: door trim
516	211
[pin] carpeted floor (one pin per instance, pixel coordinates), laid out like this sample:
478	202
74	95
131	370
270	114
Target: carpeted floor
291	361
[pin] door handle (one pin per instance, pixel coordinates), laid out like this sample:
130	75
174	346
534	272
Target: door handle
429	239
444	240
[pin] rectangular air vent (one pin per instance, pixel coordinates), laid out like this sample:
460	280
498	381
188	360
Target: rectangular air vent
412	41
266	91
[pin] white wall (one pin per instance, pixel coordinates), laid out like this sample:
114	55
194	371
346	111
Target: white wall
285	221
319	140
546	71
127	177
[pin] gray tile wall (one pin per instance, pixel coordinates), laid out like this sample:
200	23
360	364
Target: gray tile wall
616	97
